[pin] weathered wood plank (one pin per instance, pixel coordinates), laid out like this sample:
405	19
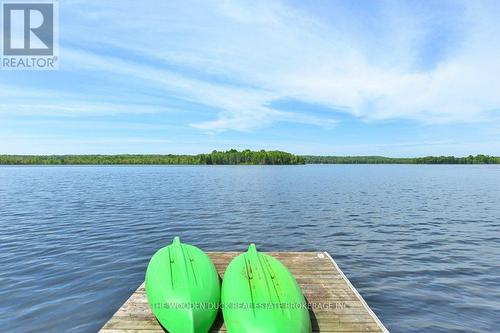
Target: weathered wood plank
336	306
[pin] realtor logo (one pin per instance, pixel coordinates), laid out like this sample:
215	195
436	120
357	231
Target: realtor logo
29	39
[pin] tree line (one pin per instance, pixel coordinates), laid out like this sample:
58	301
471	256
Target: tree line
230	157
235	157
478	159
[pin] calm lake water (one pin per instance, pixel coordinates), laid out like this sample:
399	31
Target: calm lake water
421	243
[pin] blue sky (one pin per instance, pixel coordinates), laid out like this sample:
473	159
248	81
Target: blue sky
390	78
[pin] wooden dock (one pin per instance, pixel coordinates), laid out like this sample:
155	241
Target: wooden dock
336	306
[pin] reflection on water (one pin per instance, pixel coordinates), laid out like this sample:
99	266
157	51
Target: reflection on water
419	242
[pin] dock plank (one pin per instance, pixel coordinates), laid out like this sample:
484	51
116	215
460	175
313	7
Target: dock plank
336	306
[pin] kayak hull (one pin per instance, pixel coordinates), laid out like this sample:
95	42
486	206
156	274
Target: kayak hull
183	288
260	295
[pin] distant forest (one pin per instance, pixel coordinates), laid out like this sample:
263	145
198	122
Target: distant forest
234	157
230	157
478	159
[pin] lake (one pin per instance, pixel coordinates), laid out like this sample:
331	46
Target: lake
421	243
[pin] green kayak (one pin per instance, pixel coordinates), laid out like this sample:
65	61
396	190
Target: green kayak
183	288
260	295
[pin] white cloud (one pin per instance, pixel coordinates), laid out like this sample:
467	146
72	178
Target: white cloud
243	108
21	100
72	108
239	56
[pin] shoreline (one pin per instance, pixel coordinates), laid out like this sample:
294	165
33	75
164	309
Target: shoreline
234	157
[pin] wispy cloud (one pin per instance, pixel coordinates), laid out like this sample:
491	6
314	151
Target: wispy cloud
241	108
287	52
220	66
